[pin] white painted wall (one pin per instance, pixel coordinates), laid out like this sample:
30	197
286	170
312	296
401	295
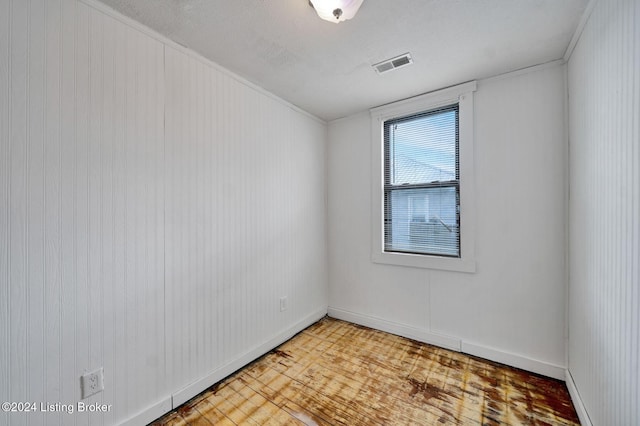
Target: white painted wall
604	134
153	210
512	308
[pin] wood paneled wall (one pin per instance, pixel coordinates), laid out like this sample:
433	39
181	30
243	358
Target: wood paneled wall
245	217
153	210
604	291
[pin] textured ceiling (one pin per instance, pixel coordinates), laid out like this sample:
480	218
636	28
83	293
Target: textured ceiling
325	68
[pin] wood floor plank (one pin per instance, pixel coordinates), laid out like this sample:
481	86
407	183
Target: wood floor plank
211	413
337	373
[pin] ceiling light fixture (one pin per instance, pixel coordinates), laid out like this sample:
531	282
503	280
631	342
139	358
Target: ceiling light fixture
336	10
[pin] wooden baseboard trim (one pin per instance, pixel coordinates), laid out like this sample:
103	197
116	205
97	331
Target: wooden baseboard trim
449	342
577	400
150	413
215	376
403	330
183	395
515	360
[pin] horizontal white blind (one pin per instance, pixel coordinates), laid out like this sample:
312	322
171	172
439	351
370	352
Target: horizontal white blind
422	188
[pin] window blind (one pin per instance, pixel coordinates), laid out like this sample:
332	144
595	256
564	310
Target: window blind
421	183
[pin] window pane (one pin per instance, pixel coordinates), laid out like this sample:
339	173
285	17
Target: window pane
422	220
422	148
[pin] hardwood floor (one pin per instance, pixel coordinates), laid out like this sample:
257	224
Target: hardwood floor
337	373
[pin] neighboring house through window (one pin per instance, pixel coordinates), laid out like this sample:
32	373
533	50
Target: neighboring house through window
423	181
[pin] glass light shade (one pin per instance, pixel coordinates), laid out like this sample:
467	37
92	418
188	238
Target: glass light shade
326	9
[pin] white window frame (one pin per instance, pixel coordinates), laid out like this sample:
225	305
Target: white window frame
463	96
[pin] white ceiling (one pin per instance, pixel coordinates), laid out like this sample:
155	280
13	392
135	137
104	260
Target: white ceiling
325	68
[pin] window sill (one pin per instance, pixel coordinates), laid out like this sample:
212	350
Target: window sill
425	261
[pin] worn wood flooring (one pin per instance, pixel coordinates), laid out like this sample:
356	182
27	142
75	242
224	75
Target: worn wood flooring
337	373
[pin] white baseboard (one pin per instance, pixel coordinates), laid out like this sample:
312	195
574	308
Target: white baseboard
217	375
577	401
149	414
514	360
449	342
183	395
444	341
403	330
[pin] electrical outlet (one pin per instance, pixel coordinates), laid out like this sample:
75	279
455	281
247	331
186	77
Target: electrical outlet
92	382
283	304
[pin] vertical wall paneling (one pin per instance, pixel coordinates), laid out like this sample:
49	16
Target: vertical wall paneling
153	210
45	297
120	364
19	92
81	198
604	314
5	161
104	298
36	101
81	219
234	243
95	193
62	367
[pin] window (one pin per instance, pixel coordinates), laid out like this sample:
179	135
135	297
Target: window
423	181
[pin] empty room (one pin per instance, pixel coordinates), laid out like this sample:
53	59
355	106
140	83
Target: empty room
320	212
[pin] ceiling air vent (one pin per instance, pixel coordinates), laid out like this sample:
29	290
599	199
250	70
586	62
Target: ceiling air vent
393	63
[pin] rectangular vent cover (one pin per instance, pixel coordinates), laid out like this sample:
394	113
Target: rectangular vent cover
393	63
